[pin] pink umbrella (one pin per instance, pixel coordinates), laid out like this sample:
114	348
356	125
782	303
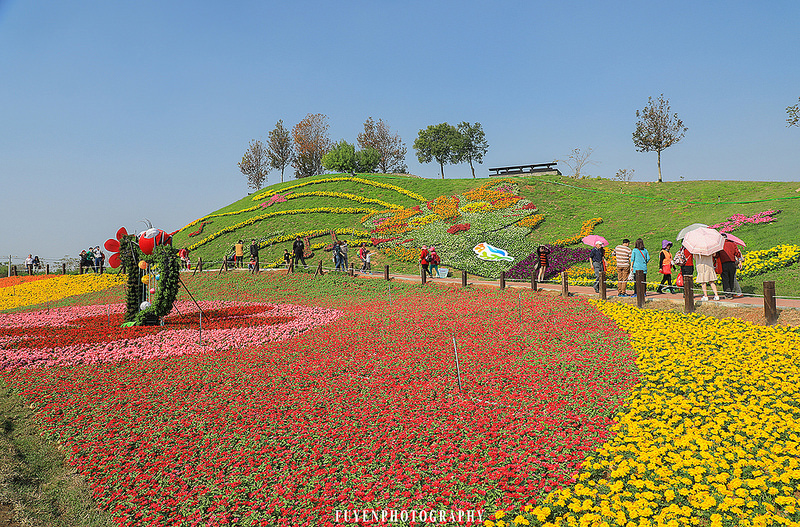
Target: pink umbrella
736	240
703	241
592	239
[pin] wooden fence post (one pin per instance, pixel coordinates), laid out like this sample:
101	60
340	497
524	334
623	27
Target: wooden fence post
533	281
640	287
63	268
423	274
386	272
463	279
291	266
564	284
688	294
770	305
602	285
13	270
351	271
47	269
502	279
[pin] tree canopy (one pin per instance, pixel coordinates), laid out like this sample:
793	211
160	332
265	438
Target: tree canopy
440	142
311	142
279	148
656	129
255	164
343	157
793	114
390	147
473	145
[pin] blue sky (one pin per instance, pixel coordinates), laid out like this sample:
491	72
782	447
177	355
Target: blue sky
117	111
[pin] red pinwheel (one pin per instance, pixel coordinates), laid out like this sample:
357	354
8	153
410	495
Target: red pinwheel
112	245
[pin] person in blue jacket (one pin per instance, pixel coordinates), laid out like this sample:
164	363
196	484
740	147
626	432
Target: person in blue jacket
639	259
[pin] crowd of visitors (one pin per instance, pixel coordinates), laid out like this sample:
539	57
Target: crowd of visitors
92	259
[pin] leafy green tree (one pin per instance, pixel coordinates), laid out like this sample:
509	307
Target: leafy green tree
390	147
343	157
473	145
440	142
793	114
656	129
279	148
255	164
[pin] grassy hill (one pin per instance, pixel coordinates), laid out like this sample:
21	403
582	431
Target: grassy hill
652	211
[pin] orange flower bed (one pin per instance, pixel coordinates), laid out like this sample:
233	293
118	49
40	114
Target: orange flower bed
11	281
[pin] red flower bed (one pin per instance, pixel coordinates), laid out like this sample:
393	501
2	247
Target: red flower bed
200	229
459	227
364	413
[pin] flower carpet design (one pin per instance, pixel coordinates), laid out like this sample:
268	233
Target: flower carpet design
709	437
92	334
364	412
56	287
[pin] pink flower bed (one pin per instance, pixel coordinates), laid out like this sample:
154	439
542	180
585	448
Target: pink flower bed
92	334
737	220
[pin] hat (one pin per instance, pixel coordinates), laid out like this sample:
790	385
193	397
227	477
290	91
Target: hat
665	244
598	242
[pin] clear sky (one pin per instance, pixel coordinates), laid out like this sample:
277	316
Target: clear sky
112	112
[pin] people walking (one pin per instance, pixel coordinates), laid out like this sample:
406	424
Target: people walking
287	258
665	266
706	274
729	256
639	260
622	253
424	259
239	253
434	263
597	258
254	256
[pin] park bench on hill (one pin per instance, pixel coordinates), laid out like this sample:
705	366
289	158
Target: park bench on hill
538	168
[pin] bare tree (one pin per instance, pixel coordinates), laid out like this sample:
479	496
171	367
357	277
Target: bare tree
656	129
793	114
577	160
255	164
389	145
624	174
279	148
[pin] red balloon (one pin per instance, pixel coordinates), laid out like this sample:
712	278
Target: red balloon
114	261
122	232
111	245
146	245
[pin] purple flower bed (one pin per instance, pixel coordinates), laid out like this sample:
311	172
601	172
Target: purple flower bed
561	259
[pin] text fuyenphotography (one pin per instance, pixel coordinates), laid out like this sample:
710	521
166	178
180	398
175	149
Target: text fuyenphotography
449	517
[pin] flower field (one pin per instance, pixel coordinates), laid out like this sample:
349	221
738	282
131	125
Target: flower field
32	292
358	409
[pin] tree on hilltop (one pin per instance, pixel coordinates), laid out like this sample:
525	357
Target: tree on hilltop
311	142
473	145
793	114
656	129
390	147
440	142
577	160
279	148
255	164
343	157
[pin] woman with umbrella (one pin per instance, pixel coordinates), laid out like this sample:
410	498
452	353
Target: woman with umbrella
702	243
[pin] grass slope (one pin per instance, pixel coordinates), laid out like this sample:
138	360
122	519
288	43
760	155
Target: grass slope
652	211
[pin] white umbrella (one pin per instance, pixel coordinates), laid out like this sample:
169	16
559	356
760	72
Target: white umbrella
691	227
703	241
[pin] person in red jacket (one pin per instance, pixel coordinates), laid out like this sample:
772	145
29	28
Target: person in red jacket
729	255
424	259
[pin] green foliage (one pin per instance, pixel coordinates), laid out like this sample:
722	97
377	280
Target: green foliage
343	157
131	255
793	114
440	142
168	265
279	148
656	129
473	145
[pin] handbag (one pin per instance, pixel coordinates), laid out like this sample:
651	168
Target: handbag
666	268
679	280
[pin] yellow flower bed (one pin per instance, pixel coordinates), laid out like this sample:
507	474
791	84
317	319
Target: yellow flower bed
344	195
250	221
531	221
402	253
586	229
478	206
485	193
710	436
424	220
446	207
369	182
55	288
757	262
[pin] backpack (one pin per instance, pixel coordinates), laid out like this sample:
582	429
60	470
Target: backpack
428	257
679	258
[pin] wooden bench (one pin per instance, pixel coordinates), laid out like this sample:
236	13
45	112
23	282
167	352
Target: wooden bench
525	169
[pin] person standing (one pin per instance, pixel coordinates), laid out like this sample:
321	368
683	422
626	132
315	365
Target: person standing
434	263
597	256
287	258
239	253
423	259
729	256
337	256
343	255
29	264
254	255
543	251
665	266
622	253
639	260
706	274
97	259
297	248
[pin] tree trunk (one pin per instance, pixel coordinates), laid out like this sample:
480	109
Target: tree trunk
659	166
473	169
441	165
